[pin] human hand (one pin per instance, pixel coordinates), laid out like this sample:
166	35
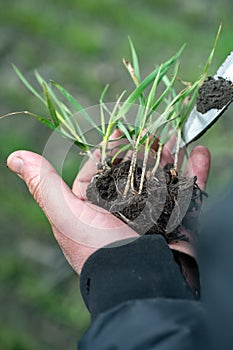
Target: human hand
185	250
80	227
198	165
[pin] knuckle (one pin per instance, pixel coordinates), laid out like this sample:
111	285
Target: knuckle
34	186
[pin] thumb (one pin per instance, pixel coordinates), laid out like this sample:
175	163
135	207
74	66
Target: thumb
52	194
78	220
41	179
62	208
38	174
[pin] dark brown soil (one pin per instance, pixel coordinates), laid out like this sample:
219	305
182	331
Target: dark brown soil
161	200
214	93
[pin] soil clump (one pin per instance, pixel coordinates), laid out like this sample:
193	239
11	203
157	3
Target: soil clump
159	206
214	93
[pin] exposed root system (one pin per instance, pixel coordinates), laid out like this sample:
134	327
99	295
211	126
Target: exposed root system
159	209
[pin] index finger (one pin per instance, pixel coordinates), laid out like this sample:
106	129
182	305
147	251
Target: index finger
199	165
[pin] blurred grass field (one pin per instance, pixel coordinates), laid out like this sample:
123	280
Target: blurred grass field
81	44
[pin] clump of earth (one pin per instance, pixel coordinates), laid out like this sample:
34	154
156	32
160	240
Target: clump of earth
214	93
161	199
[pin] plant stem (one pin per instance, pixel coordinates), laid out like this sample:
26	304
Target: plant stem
158	157
145	160
90	155
105	143
146	155
131	174
177	148
130	179
134	160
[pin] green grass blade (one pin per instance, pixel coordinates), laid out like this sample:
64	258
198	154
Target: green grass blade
135	60
114	115
190	106
148	80
153	89
134	69
154	127
150	106
77	105
137	92
123	128
63	109
104	93
27	84
121	150
42	120
168	83
51	106
38	117
184	93
142	121
209	60
102	118
169	87
84	146
101	100
138	119
42	81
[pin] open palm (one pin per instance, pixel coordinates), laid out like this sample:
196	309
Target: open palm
79	226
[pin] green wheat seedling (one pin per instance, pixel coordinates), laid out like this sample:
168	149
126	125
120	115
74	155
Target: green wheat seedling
148	126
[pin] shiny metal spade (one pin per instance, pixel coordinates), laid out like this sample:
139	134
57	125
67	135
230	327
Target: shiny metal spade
197	123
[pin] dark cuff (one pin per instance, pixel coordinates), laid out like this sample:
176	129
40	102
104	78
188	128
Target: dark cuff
143	268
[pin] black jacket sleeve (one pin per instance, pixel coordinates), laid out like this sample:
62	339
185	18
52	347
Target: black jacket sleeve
138	299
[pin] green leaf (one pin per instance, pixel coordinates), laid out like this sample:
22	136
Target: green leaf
169	87
84	146
135	75
183	94
190	106
114	116
168	83
121	150
102	118
63	109
154	127
148	80
104	92
77	105
135	60
123	128
51	106
138	119
154	87
42	120
27	84
209	60
142	121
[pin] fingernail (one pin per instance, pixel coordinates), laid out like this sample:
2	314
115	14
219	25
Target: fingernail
17	165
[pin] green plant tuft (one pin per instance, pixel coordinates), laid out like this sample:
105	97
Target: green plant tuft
156	91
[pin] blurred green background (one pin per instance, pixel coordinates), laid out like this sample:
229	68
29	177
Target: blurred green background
81	44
